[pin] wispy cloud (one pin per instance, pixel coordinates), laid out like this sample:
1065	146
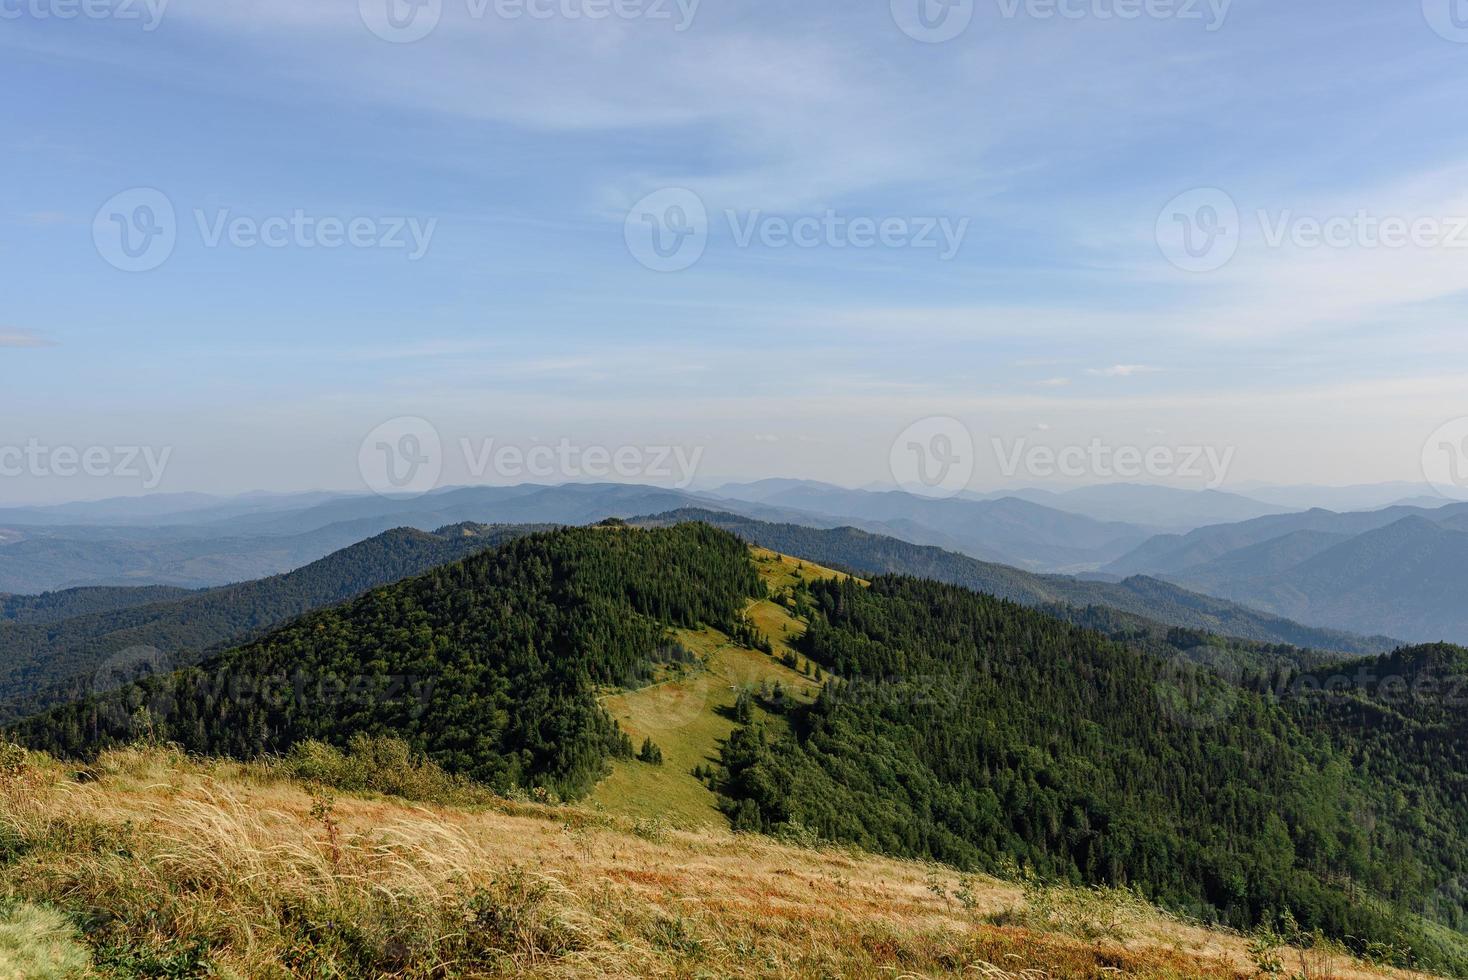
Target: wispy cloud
1122	370
11	337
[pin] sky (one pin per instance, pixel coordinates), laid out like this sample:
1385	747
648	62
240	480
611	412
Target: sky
260	242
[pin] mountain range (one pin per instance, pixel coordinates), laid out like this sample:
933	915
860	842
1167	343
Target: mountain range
1399	570
1385	572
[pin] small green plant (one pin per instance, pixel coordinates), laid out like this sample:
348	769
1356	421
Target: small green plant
966	893
1266	950
796	834
651	829
323	810
1090	913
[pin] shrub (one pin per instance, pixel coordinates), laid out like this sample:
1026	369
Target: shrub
382	765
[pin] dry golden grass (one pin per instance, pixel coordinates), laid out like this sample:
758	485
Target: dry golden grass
163	858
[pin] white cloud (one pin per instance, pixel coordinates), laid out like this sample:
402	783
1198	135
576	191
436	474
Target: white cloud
1122	370
10	337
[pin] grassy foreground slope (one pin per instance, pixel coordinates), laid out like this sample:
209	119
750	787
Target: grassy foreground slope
162	866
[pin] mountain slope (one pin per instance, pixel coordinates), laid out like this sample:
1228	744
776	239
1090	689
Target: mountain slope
53	661
1410	577
230	871
1009	530
1173	553
51	607
963	728
949	724
1140	604
1156	506
271	540
489	665
1266	558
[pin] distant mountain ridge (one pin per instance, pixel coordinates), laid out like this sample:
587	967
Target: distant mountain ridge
1401	570
1007	530
1147	601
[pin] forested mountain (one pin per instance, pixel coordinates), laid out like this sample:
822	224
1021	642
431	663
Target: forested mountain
48	662
969	729
1136	607
489	665
50	607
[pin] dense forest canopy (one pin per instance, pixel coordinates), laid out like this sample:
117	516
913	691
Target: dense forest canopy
489	665
66	645
969	729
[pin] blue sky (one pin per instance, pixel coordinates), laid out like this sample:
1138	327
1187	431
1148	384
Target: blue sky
1054	143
